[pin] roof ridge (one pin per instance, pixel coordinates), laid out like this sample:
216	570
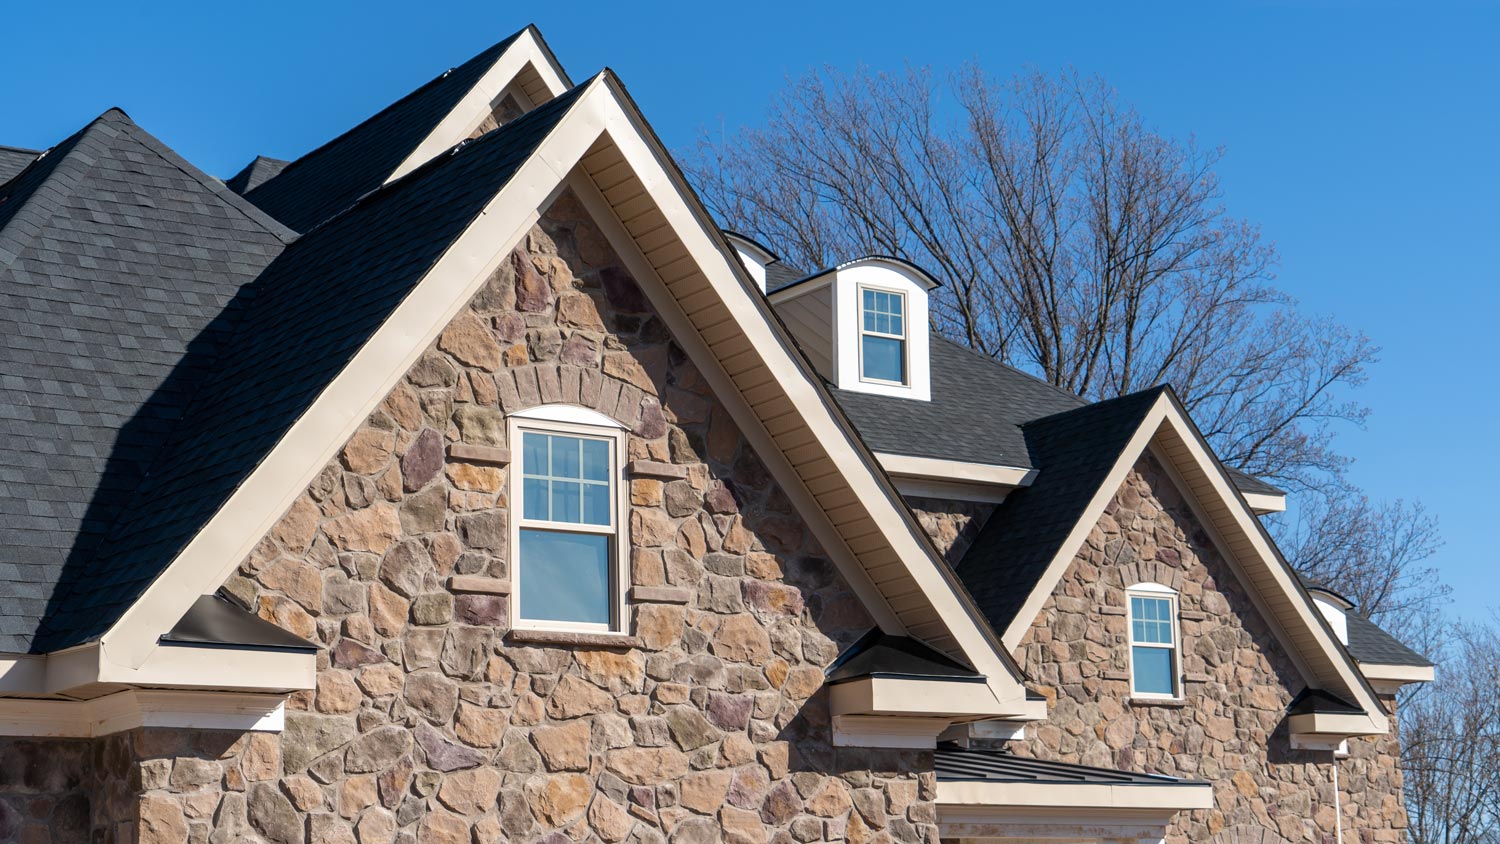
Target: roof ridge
64	167
291	166
9	148
142	136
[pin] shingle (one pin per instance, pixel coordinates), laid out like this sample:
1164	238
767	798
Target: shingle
1371	645
256	173
330	178
13	160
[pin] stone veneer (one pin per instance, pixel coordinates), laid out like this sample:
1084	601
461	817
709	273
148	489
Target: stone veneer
951	524
1238	683
431	724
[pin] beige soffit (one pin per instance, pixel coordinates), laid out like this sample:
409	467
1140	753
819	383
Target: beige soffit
132	708
1169	433
715	311
526	69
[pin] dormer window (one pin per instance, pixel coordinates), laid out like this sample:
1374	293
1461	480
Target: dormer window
1153	642
882	336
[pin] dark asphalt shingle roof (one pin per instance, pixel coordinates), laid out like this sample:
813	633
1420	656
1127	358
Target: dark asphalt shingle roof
1371	645
330	178
1075	451
13	160
879	654
120	268
955	764
283	352
256	173
780	274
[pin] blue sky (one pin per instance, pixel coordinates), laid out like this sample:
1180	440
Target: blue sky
1361	137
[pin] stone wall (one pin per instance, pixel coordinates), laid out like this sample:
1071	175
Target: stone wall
1238	683
951	524
432	724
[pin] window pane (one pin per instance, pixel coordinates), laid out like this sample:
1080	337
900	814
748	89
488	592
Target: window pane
534	454
1153	670
596	460
596	504
564	577
884	359
565	457
534	491
1151	620
566	505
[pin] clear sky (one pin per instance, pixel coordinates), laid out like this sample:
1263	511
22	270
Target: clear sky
1361	136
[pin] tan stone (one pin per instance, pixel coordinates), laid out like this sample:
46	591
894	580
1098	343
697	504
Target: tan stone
475	478
161	821
564	748
703	791
741	638
575	697
802	682
776	756
659	625
382	679
579	311
647	765
469	340
261	759
618	671
388	610
442	828
376	826
357	794
369	450
296	529
559	799
470	792
645	492
306	795
288	615
741	826
372	529
480	726
336	692
650	528
609	819
831	802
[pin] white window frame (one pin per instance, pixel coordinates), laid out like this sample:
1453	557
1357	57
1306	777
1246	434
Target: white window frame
904	336
1158	592
548	419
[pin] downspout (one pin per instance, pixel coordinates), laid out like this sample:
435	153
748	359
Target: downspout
1342	752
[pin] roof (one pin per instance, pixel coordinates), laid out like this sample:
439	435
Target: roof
879	654
1075	451
1309	701
780	274
121	268
13	160
213	621
256	173
960	764
1373	646
283	352
330	178
977	409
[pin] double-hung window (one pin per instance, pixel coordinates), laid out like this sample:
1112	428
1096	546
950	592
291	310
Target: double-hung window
567	569
882	335
1153	641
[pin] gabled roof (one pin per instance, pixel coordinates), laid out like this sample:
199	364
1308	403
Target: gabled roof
256	173
284	352
1371	645
331	177
13	160
121	268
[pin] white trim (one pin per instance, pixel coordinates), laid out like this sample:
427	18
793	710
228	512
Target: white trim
1262	503
886	276
862	333
611	432
134	708
1074	797
570	414
887	731
944	491
906	465
913	697
526	53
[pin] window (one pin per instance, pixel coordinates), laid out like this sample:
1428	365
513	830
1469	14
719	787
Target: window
1153	641
882	336
567	569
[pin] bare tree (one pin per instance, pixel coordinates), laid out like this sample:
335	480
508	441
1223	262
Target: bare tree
1075	242
1450	741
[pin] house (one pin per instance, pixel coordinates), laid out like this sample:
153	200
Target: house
462	481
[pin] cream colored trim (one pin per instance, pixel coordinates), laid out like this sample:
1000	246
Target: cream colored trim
1400	675
924	488
913	697
1020	825
134	708
887	731
570	414
1074	797
1262	503
22	674
904	465
183	667
336	414
525	54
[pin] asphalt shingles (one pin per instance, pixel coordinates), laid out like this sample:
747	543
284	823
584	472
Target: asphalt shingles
256	173
13	160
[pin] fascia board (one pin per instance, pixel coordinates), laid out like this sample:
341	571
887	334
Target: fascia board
905	465
182	667
1262	503
915	697
1380	672
132	708
1075	797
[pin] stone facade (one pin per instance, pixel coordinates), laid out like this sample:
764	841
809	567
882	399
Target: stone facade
431	723
1230	728
952	525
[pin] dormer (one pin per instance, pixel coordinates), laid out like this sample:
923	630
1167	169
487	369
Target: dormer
1334	608
754	255
864	325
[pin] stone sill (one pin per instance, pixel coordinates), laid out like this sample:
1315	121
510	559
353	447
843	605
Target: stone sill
1171	703
572	638
473	583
